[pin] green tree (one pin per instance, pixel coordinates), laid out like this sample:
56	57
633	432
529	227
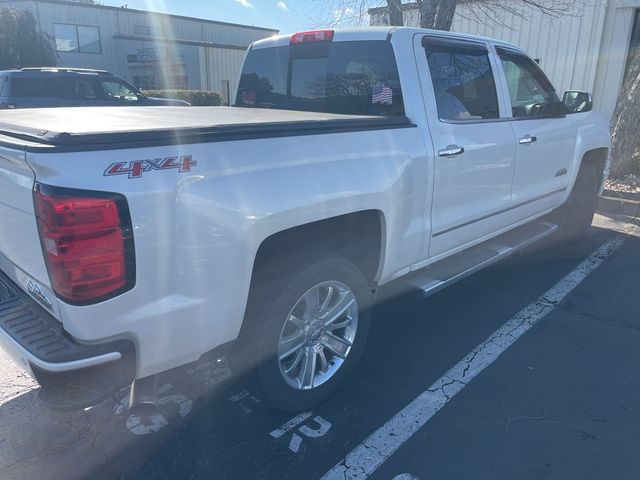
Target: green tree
21	42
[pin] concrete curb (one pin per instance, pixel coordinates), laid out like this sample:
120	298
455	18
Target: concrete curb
619	206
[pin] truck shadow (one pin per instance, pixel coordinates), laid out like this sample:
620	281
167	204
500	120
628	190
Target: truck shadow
212	426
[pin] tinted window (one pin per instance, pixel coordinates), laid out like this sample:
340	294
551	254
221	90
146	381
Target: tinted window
531	93
359	78
463	82
34	87
79	88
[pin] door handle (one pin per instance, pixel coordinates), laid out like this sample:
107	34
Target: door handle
527	139
451	151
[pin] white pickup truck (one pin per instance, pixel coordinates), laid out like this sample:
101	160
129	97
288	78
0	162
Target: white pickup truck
133	241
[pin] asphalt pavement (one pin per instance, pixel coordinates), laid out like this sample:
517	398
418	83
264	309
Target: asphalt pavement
529	369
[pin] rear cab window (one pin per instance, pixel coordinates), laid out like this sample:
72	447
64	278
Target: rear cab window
355	78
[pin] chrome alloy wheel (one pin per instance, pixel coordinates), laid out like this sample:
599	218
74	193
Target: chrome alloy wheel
317	335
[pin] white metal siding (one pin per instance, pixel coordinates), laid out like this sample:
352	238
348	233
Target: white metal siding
208	52
220	64
585	50
615	44
567	46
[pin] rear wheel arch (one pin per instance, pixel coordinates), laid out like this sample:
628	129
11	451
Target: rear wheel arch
356	237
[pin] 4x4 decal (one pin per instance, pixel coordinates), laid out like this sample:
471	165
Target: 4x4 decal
136	168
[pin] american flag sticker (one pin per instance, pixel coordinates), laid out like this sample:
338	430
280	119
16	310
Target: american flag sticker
382	94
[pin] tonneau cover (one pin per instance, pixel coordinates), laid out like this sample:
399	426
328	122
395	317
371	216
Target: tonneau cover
83	128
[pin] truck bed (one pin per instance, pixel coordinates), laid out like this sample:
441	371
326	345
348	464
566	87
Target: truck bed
92	128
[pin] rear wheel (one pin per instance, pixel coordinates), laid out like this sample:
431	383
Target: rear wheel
313	321
575	216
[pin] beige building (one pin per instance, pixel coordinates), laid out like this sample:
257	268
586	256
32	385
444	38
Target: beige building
150	50
586	50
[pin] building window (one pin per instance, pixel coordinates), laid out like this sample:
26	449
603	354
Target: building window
89	39
145	82
161	82
77	38
66	38
180	82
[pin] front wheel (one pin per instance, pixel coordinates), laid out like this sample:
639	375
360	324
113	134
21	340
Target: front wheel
314	324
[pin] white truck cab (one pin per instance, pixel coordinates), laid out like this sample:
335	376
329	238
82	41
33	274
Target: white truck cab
134	241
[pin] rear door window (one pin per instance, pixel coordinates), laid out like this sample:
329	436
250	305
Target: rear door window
358	78
463	81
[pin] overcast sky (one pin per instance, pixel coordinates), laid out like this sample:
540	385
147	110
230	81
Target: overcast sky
285	15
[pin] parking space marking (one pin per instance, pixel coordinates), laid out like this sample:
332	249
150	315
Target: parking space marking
310	432
158	421
238	401
365	458
294	444
294	422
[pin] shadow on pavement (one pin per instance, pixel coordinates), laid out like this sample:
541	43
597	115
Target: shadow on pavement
210	426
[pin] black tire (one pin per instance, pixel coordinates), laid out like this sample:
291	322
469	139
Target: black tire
275	293
575	216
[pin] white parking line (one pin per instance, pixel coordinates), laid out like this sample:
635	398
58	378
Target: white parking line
364	459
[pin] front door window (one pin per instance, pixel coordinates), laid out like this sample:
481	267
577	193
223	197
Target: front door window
530	92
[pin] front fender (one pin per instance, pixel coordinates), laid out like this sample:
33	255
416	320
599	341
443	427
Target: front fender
592	132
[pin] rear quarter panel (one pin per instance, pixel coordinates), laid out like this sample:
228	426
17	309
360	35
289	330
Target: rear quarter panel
197	233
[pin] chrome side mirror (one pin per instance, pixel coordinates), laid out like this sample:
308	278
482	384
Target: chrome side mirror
577	102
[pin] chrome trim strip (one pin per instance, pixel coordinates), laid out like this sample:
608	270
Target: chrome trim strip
504	210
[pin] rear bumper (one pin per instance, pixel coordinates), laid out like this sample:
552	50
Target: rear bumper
72	374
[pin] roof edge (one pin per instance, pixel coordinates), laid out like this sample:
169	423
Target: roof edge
135	10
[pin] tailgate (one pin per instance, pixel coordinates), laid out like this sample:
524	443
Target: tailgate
21	256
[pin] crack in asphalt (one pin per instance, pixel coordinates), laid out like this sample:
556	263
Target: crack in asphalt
41	453
378	447
611	322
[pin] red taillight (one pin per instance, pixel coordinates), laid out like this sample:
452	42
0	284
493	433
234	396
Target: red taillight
83	239
312	36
